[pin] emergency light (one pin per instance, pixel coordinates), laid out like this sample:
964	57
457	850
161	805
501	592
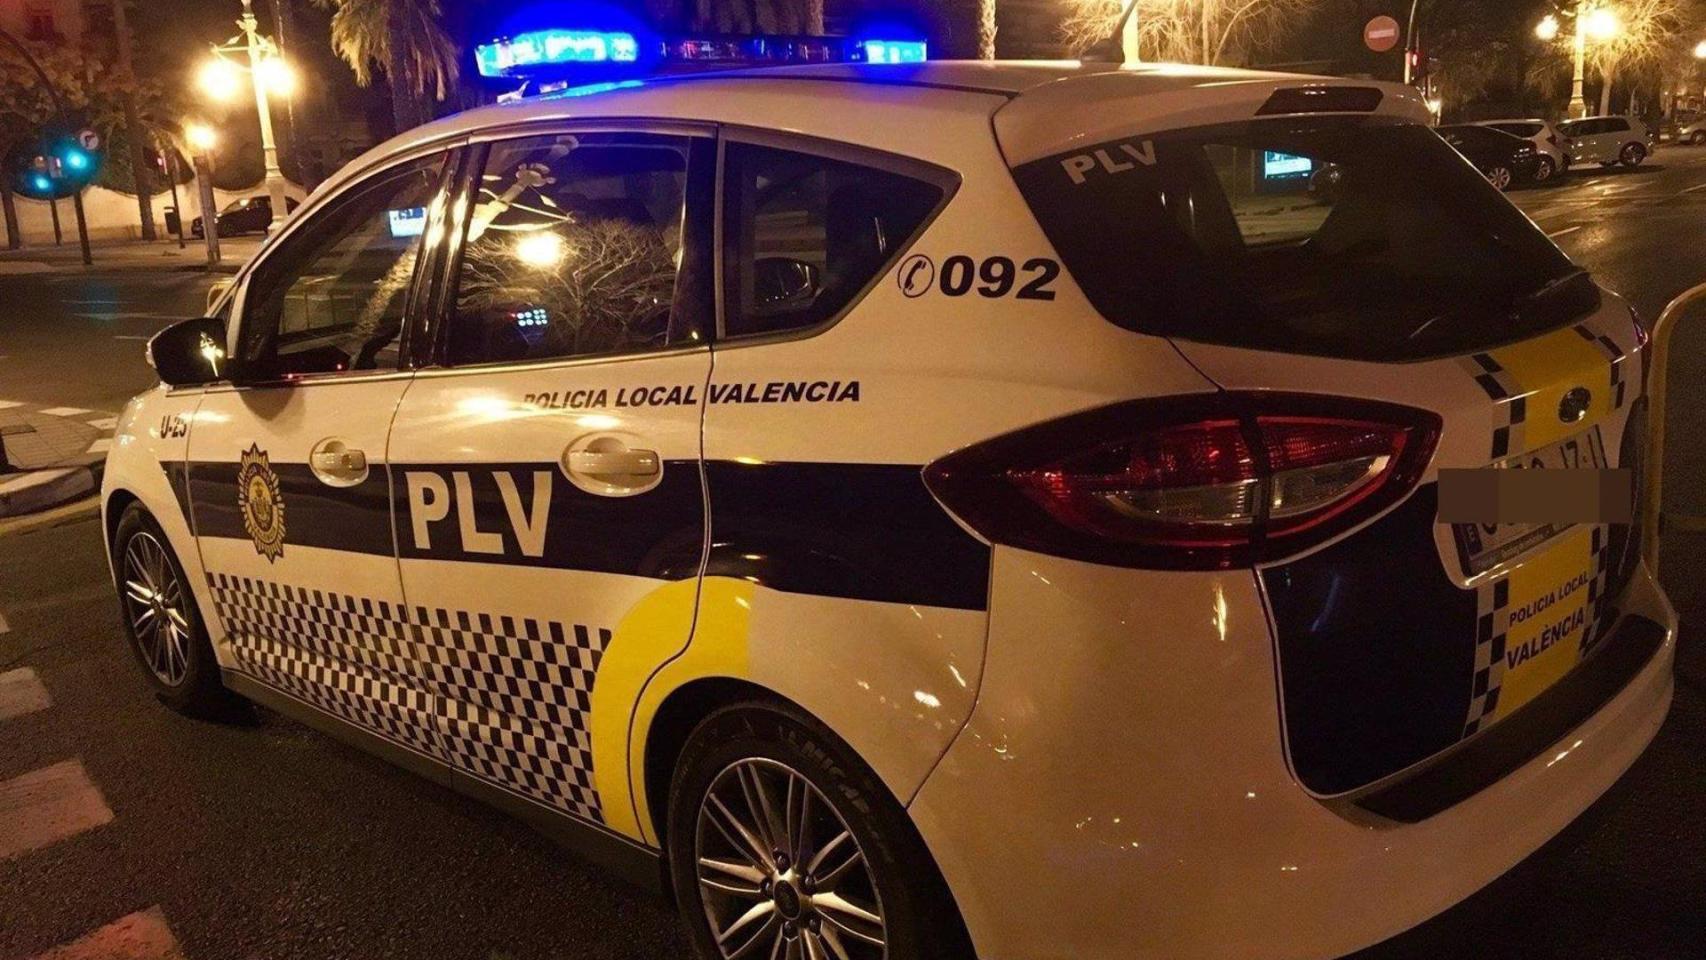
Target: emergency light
552	54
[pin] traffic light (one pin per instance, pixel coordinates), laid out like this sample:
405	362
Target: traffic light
54	166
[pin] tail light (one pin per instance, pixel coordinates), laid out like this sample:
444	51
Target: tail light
1190	483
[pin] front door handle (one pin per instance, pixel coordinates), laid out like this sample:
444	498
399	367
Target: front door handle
610	464
337	463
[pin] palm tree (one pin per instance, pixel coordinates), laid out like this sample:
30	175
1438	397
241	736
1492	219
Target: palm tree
407	41
986	29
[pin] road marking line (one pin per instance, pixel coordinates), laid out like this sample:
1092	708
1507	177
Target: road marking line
21	692
105	423
45	806
64	411
100	446
1698	186
1559	233
143	935
126	336
9	404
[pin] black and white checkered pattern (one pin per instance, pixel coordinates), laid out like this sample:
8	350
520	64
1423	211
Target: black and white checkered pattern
517	696
1598	606
504	699
1508	396
1490	626
1614	353
346	655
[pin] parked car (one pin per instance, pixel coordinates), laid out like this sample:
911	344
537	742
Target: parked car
1693	132
1608	141
1030	542
248	215
1553	147
1505	160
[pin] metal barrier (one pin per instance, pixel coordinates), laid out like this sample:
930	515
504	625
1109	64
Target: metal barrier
1653	504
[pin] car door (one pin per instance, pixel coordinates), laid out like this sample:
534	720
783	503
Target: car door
550	513
288	484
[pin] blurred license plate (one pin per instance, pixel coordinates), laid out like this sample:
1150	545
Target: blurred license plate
1483	546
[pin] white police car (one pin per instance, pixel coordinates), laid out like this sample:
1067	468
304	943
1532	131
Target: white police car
925	511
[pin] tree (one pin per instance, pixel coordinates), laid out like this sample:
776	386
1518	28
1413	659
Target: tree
1188	31
405	39
741	16
1649	31
986	29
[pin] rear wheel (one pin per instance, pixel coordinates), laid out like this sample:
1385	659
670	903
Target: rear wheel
782	844
1500	177
1545	170
160	617
1632	155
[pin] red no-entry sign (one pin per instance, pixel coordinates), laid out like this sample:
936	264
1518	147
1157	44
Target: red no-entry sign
1381	34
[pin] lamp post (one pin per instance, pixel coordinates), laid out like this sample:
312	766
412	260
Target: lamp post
201	139
268	73
1592	22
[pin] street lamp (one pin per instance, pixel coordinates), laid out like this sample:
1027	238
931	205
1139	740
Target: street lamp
269	74
1596	23
202	139
1700	50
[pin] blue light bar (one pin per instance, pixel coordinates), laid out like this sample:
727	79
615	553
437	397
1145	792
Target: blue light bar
537	48
894	51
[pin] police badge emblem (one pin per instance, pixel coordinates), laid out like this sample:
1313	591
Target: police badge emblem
262	504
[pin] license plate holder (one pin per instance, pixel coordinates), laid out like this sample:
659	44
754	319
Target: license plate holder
1482	547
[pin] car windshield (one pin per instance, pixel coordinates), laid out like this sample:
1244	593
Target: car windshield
234	206
1337	237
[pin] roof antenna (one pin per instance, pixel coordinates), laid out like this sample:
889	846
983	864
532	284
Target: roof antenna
1111	49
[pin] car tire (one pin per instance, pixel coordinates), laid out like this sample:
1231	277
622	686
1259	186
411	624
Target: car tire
161	621
862	857
1544	170
1698	139
1632	154
1501	177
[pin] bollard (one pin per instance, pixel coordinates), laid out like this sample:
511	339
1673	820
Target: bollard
1652	505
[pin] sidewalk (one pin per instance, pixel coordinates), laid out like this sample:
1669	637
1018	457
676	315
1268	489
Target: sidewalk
50	455
128	255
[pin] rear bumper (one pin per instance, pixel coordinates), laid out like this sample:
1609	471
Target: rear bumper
1132	800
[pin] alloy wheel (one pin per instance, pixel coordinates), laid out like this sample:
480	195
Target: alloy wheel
781	877
1544	172
1500	178
154	602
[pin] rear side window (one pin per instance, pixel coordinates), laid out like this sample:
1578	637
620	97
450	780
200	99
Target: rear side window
805	234
1518	129
1335	237
574	247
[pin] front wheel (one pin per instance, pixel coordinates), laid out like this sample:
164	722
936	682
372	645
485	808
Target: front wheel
782	844
1698	139
1632	155
160	617
1500	177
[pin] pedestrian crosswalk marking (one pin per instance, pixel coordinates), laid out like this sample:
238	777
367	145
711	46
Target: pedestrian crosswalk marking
21	692
143	935
9	404
45	806
64	411
105	423
101	446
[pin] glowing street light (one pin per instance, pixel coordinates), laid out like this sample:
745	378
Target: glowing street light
269	74
1700	50
1598	23
220	79
201	137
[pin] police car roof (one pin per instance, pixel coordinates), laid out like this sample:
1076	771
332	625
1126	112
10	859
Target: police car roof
938	111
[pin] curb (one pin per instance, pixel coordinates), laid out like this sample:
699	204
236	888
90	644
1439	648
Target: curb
39	490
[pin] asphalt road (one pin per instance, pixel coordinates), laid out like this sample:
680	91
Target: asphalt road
263	839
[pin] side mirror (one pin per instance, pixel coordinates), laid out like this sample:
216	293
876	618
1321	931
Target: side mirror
782	282
189	352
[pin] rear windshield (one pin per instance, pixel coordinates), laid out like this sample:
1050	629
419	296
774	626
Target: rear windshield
1337	237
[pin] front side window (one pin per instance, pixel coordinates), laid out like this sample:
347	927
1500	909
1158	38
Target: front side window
1335	237
804	234
332	297
575	243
